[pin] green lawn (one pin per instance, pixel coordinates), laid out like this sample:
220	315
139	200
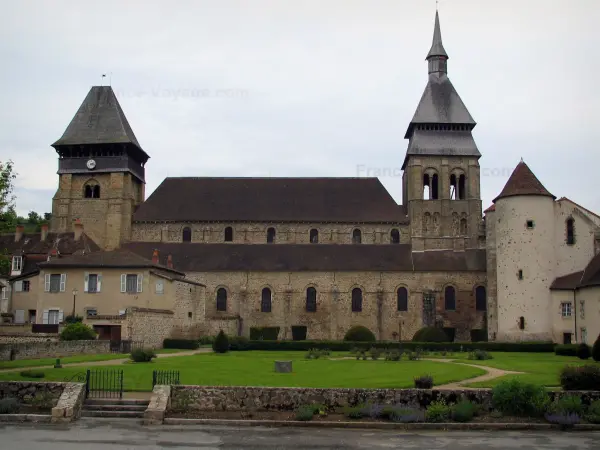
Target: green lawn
70	359
256	369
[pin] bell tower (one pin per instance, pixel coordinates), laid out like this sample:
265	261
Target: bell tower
100	170
441	167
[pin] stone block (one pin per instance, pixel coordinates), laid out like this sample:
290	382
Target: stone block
283	366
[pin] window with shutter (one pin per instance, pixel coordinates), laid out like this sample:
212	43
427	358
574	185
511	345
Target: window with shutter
140	282
55	283
63	282
18	286
47	282
92	283
123	282
131	285
99	285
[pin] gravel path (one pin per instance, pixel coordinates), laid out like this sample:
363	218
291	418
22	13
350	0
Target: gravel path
490	375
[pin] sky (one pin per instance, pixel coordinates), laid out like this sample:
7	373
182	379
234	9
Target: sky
305	87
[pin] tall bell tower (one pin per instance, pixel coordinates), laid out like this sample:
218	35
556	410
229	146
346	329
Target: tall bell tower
441	166
100	170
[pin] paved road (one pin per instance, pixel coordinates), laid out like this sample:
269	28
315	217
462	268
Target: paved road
91	435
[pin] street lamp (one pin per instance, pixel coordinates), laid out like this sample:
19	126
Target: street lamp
74	297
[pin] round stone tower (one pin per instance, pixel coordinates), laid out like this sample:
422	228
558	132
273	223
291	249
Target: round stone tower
524	229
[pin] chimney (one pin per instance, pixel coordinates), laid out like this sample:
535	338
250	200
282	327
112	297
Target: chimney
53	253
78	228
170	262
44	231
155	257
19	232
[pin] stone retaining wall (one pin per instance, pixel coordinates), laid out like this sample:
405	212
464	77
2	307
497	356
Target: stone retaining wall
69	404
15	338
57	349
26	391
209	398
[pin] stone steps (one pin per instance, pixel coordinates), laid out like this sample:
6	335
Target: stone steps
114	408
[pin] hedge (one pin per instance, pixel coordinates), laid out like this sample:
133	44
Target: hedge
533	347
187	344
566	349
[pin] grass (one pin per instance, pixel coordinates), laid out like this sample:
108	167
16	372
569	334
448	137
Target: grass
16	364
256	369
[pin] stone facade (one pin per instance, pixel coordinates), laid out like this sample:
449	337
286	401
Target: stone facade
149	326
33	350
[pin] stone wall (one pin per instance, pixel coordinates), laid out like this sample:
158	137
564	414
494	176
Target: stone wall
33	350
188	320
15	328
208	398
25	391
150	326
6	338
69	404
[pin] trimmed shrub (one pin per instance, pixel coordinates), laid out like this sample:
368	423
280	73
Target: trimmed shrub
566	350
567	404
438	411
181	344
593	412
206	340
583	351
77	332
239	343
31	374
516	398
430	334
596	349
141	355
264	333
304	413
463	411
424	382
479	355
221	343
73	319
9	405
580	378
299	332
355	412
358	333
375	353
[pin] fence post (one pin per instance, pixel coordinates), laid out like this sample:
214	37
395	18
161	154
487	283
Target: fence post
153	379
87	383
121	393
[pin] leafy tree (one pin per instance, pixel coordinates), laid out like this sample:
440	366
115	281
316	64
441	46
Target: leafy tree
77	332
8	215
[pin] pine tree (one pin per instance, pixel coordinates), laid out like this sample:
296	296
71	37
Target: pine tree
221	343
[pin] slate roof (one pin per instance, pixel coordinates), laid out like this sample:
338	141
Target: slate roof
189	257
346	200
588	277
31	243
99	120
437	48
523	182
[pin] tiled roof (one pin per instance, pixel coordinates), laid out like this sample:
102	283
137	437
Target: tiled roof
31	243
588	277
190	257
567	282
492	208
347	200
523	182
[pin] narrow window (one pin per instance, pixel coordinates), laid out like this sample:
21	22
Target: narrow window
53	316
17	263
480	299
131	284
395	236
426	187
96	191
26	285
228	234
402	299
357	298
190	315
567	338
356	236
521	323
265	301
520	274
581	306
570	231
160	287
187	234
463	227
311	300
453	187
270	235
92	283
461	188
55	282
530	224
88	191
221	299
565	309
450	298
91	191
434	187
314	236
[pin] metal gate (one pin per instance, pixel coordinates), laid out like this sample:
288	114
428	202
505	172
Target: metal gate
166	377
105	383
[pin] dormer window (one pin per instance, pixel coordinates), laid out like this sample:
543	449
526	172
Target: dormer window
17	263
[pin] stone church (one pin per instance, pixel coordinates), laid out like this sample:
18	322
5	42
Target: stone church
330	253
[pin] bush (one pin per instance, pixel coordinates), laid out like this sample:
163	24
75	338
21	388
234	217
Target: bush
430	334
182	344
583	351
567	404
31	374
299	332
142	355
239	343
205	340
9	405
77	332
264	333
438	411
596	349
358	333
424	382
566	350
393	355
565	420
43	400
313	353
221	343
407	415
463	411
73	319
479	355
593	412
355	412
305	413
516	398
580	378
374	353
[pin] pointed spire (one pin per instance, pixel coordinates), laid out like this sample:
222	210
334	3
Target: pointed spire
437	55
523	182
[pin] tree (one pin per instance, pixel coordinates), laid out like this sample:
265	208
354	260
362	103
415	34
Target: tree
221	343
596	349
8	215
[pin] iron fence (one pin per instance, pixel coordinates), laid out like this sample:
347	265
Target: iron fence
125	346
105	383
167	377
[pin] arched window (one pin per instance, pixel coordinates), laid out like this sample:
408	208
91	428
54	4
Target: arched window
311	300
426	187
357	300
395	236
570	231
221	299
356	236
228	234
430	185
314	236
402	299
463	227
434	186
450	298
270	235
461	187
91	190
187	234
480	299
265	300
453	187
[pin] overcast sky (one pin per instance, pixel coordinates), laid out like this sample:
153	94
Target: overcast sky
304	88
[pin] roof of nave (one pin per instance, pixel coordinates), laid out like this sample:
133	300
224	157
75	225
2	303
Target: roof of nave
346	200
523	182
190	257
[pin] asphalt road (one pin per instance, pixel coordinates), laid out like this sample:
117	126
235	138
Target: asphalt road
102	435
